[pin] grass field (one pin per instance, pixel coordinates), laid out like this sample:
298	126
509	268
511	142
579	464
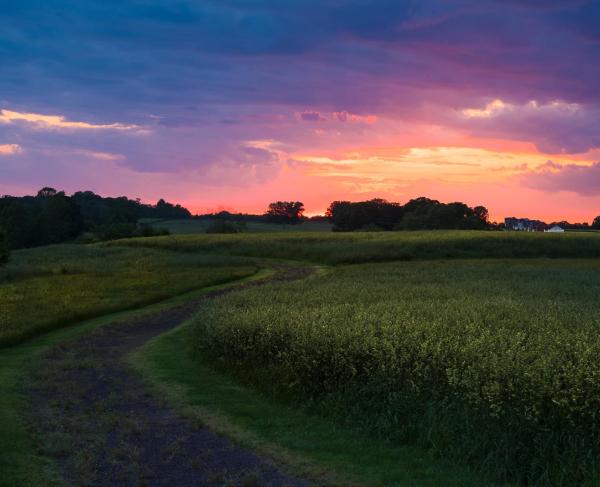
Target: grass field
190	226
49	287
490	363
337	248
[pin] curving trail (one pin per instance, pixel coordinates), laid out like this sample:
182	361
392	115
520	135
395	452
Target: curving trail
94	418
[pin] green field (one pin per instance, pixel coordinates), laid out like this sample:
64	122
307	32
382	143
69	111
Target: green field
192	226
49	287
491	363
339	248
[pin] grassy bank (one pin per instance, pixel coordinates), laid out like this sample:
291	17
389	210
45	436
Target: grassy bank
305	444
494	364
339	248
49	287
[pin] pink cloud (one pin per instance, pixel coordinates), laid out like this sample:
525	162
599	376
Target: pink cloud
577	178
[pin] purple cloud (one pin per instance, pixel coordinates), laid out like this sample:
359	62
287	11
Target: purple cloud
555	127
581	179
312	117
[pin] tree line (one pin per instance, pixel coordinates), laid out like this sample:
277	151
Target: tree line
376	214
417	214
52	217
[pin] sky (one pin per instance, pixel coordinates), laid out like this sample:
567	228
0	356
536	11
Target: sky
232	104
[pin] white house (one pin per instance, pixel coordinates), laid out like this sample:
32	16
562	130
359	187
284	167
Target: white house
555	229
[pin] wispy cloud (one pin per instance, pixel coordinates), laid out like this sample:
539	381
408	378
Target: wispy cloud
58	122
8	149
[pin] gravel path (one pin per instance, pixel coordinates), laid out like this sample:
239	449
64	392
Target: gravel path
92	415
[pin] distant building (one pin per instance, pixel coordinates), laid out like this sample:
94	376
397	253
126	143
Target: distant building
555	229
524	224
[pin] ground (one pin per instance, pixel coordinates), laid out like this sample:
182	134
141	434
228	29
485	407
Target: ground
146	395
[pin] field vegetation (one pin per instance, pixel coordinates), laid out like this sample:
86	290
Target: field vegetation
479	346
48	287
204	225
359	247
490	363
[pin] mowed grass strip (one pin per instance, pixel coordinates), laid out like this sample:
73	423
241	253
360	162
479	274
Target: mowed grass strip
304	444
495	364
49	287
21	459
360	247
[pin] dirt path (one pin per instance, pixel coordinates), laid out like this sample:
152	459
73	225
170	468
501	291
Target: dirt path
94	418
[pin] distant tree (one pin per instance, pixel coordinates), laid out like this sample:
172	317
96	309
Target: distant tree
97	211
289	212
3	247
60	218
596	223
482	214
47	192
164	209
367	215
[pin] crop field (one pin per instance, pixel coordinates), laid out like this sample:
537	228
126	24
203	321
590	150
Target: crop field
340	248
48	287
491	363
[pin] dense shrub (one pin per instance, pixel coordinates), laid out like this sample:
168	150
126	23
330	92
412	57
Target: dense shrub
223	226
115	231
491	363
3	247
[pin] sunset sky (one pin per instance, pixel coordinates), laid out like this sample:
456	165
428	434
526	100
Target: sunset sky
231	104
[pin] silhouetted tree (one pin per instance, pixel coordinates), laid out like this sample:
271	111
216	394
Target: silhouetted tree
60	218
52	217
164	209
372	214
596	223
97	210
481	215
47	192
285	212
